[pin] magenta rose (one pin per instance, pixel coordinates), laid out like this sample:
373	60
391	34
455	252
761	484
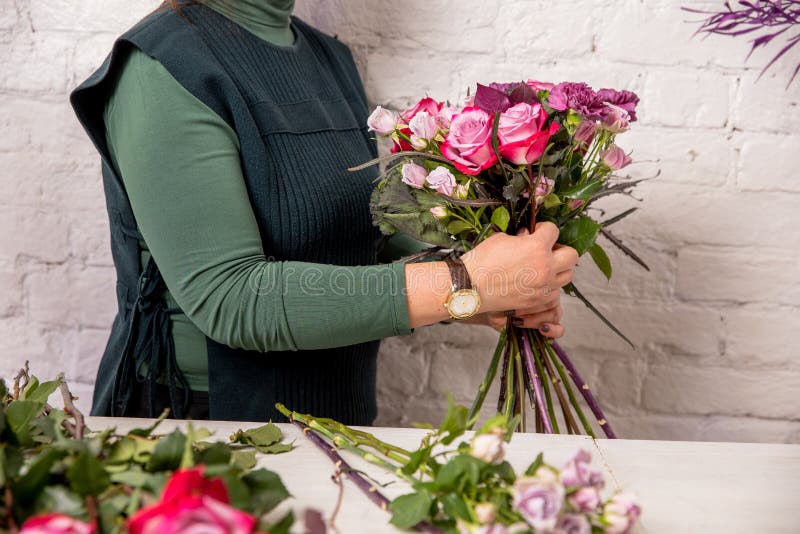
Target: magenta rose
539	499
522	133
615	158
469	142
621	513
192	503
56	524
579	472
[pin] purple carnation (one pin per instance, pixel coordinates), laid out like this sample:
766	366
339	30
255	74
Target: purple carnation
626	100
579	97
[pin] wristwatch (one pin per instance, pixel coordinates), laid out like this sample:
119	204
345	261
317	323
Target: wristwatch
464	301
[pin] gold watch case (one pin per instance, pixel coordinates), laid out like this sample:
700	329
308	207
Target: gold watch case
463	303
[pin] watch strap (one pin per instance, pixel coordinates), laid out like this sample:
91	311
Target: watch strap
458	273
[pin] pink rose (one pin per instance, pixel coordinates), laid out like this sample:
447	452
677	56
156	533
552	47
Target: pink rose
56	524
573	524
429	106
621	513
520	132
446	115
617	119
469	142
540	86
615	158
585	131
382	121
442	180
586	499
414	175
539	499
424	125
189	503
579	472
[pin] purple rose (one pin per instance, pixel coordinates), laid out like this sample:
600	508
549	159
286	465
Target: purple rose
627	100
573	524
579	97
586	499
578	471
414	175
442	180
621	513
539	499
615	158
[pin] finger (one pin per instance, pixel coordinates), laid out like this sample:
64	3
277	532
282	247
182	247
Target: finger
564	258
497	321
551	317
547	232
564	277
552	330
523	231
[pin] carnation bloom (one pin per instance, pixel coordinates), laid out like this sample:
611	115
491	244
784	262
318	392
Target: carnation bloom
539	499
579	97
626	100
442	180
414	175
56	524
615	158
192	503
621	513
522	135
469	142
579	472
382	121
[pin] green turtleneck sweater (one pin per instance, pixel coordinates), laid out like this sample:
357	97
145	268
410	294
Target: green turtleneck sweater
179	162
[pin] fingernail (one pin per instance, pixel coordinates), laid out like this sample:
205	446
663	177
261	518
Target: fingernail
544	328
517	321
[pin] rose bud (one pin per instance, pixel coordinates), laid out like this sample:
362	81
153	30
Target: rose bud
442	180
621	513
617	120
579	472
414	175
424	125
445	116
615	158
585	131
488	447
460	192
440	212
486	513
543	188
382	121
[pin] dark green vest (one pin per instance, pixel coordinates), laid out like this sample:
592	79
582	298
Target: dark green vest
300	115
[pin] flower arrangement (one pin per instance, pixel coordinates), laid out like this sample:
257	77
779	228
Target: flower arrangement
471	488
513	155
58	477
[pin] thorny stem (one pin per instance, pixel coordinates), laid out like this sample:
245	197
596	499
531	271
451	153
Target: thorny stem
21	375
71	409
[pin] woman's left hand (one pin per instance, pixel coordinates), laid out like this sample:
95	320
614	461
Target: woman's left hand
548	322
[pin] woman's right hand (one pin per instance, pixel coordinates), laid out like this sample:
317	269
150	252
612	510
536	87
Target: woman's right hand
522	273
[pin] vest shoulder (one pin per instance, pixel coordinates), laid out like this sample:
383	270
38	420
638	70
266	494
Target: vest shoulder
330	42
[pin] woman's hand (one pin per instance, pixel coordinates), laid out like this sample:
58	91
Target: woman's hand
547	322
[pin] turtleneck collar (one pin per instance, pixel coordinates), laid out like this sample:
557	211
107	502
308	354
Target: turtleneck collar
268	19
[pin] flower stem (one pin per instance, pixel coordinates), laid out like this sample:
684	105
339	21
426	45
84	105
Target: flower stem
585	391
564	380
483	389
537	384
555	379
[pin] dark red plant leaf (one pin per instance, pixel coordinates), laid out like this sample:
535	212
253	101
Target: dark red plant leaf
491	100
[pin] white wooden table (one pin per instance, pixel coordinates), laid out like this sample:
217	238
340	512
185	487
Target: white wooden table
683	487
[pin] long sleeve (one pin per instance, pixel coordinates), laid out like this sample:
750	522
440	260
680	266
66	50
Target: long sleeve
180	165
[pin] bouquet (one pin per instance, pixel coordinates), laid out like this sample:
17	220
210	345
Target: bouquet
513	155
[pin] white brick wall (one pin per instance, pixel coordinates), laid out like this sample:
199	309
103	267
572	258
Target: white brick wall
713	321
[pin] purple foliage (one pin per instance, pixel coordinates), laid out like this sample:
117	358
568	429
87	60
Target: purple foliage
772	18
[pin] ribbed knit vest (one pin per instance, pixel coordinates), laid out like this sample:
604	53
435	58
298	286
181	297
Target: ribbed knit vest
300	114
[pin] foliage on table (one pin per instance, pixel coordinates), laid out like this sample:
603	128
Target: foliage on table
468	487
57	476
514	155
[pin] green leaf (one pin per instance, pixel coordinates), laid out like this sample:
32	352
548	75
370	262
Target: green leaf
275	448
19	414
461	472
266	490
146	432
579	234
570	289
455	421
582	191
264	435
87	476
417	458
601	259
217	453
408	510
537	463
28	487
60	500
133	476
455	506
244	459
281	527
41	392
505	472
457	226
551	201
167	453
500	217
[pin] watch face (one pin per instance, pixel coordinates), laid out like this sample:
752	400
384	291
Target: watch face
464	303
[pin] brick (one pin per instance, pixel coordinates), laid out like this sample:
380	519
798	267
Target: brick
683	389
90	345
766	104
762	337
680	98
36	65
69	295
708	274
87	16
403	367
769	163
35	233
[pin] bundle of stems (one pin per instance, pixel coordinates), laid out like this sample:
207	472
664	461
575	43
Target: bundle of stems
535	367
